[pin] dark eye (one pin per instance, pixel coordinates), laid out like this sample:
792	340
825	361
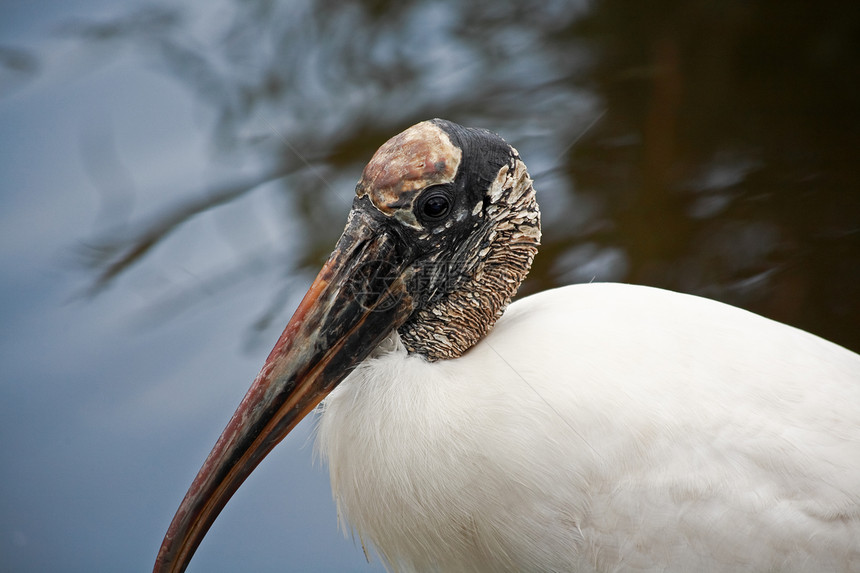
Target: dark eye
435	204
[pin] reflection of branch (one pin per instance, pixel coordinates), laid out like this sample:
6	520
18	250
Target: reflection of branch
116	254
185	295
16	65
143	22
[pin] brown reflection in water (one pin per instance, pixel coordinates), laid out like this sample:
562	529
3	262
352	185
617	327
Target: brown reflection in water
728	161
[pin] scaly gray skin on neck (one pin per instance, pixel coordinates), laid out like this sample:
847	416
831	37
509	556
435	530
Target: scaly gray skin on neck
484	273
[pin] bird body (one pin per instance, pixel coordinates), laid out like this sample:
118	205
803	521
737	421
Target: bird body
605	427
598	427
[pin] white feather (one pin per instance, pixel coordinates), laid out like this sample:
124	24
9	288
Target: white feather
605	427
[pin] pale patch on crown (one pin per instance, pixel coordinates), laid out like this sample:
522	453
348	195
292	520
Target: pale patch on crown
406	164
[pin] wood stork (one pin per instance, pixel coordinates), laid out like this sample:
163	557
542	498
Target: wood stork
599	427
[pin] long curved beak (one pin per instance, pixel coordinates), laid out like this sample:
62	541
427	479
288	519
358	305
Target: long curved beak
359	296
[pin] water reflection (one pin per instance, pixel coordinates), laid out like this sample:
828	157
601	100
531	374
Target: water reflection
716	143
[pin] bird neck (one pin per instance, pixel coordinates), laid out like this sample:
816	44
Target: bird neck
492	265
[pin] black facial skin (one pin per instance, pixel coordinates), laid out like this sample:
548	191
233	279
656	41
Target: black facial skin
442	254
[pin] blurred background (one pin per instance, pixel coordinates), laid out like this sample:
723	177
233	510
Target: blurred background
173	175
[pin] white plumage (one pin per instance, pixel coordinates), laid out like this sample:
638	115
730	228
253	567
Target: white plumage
606	427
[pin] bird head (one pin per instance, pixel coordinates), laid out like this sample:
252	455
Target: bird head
442	231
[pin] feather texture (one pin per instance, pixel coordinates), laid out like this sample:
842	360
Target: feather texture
605	427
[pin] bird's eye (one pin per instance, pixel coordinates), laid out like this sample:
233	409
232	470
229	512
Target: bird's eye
434	204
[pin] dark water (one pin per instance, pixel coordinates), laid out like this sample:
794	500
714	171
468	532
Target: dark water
710	147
